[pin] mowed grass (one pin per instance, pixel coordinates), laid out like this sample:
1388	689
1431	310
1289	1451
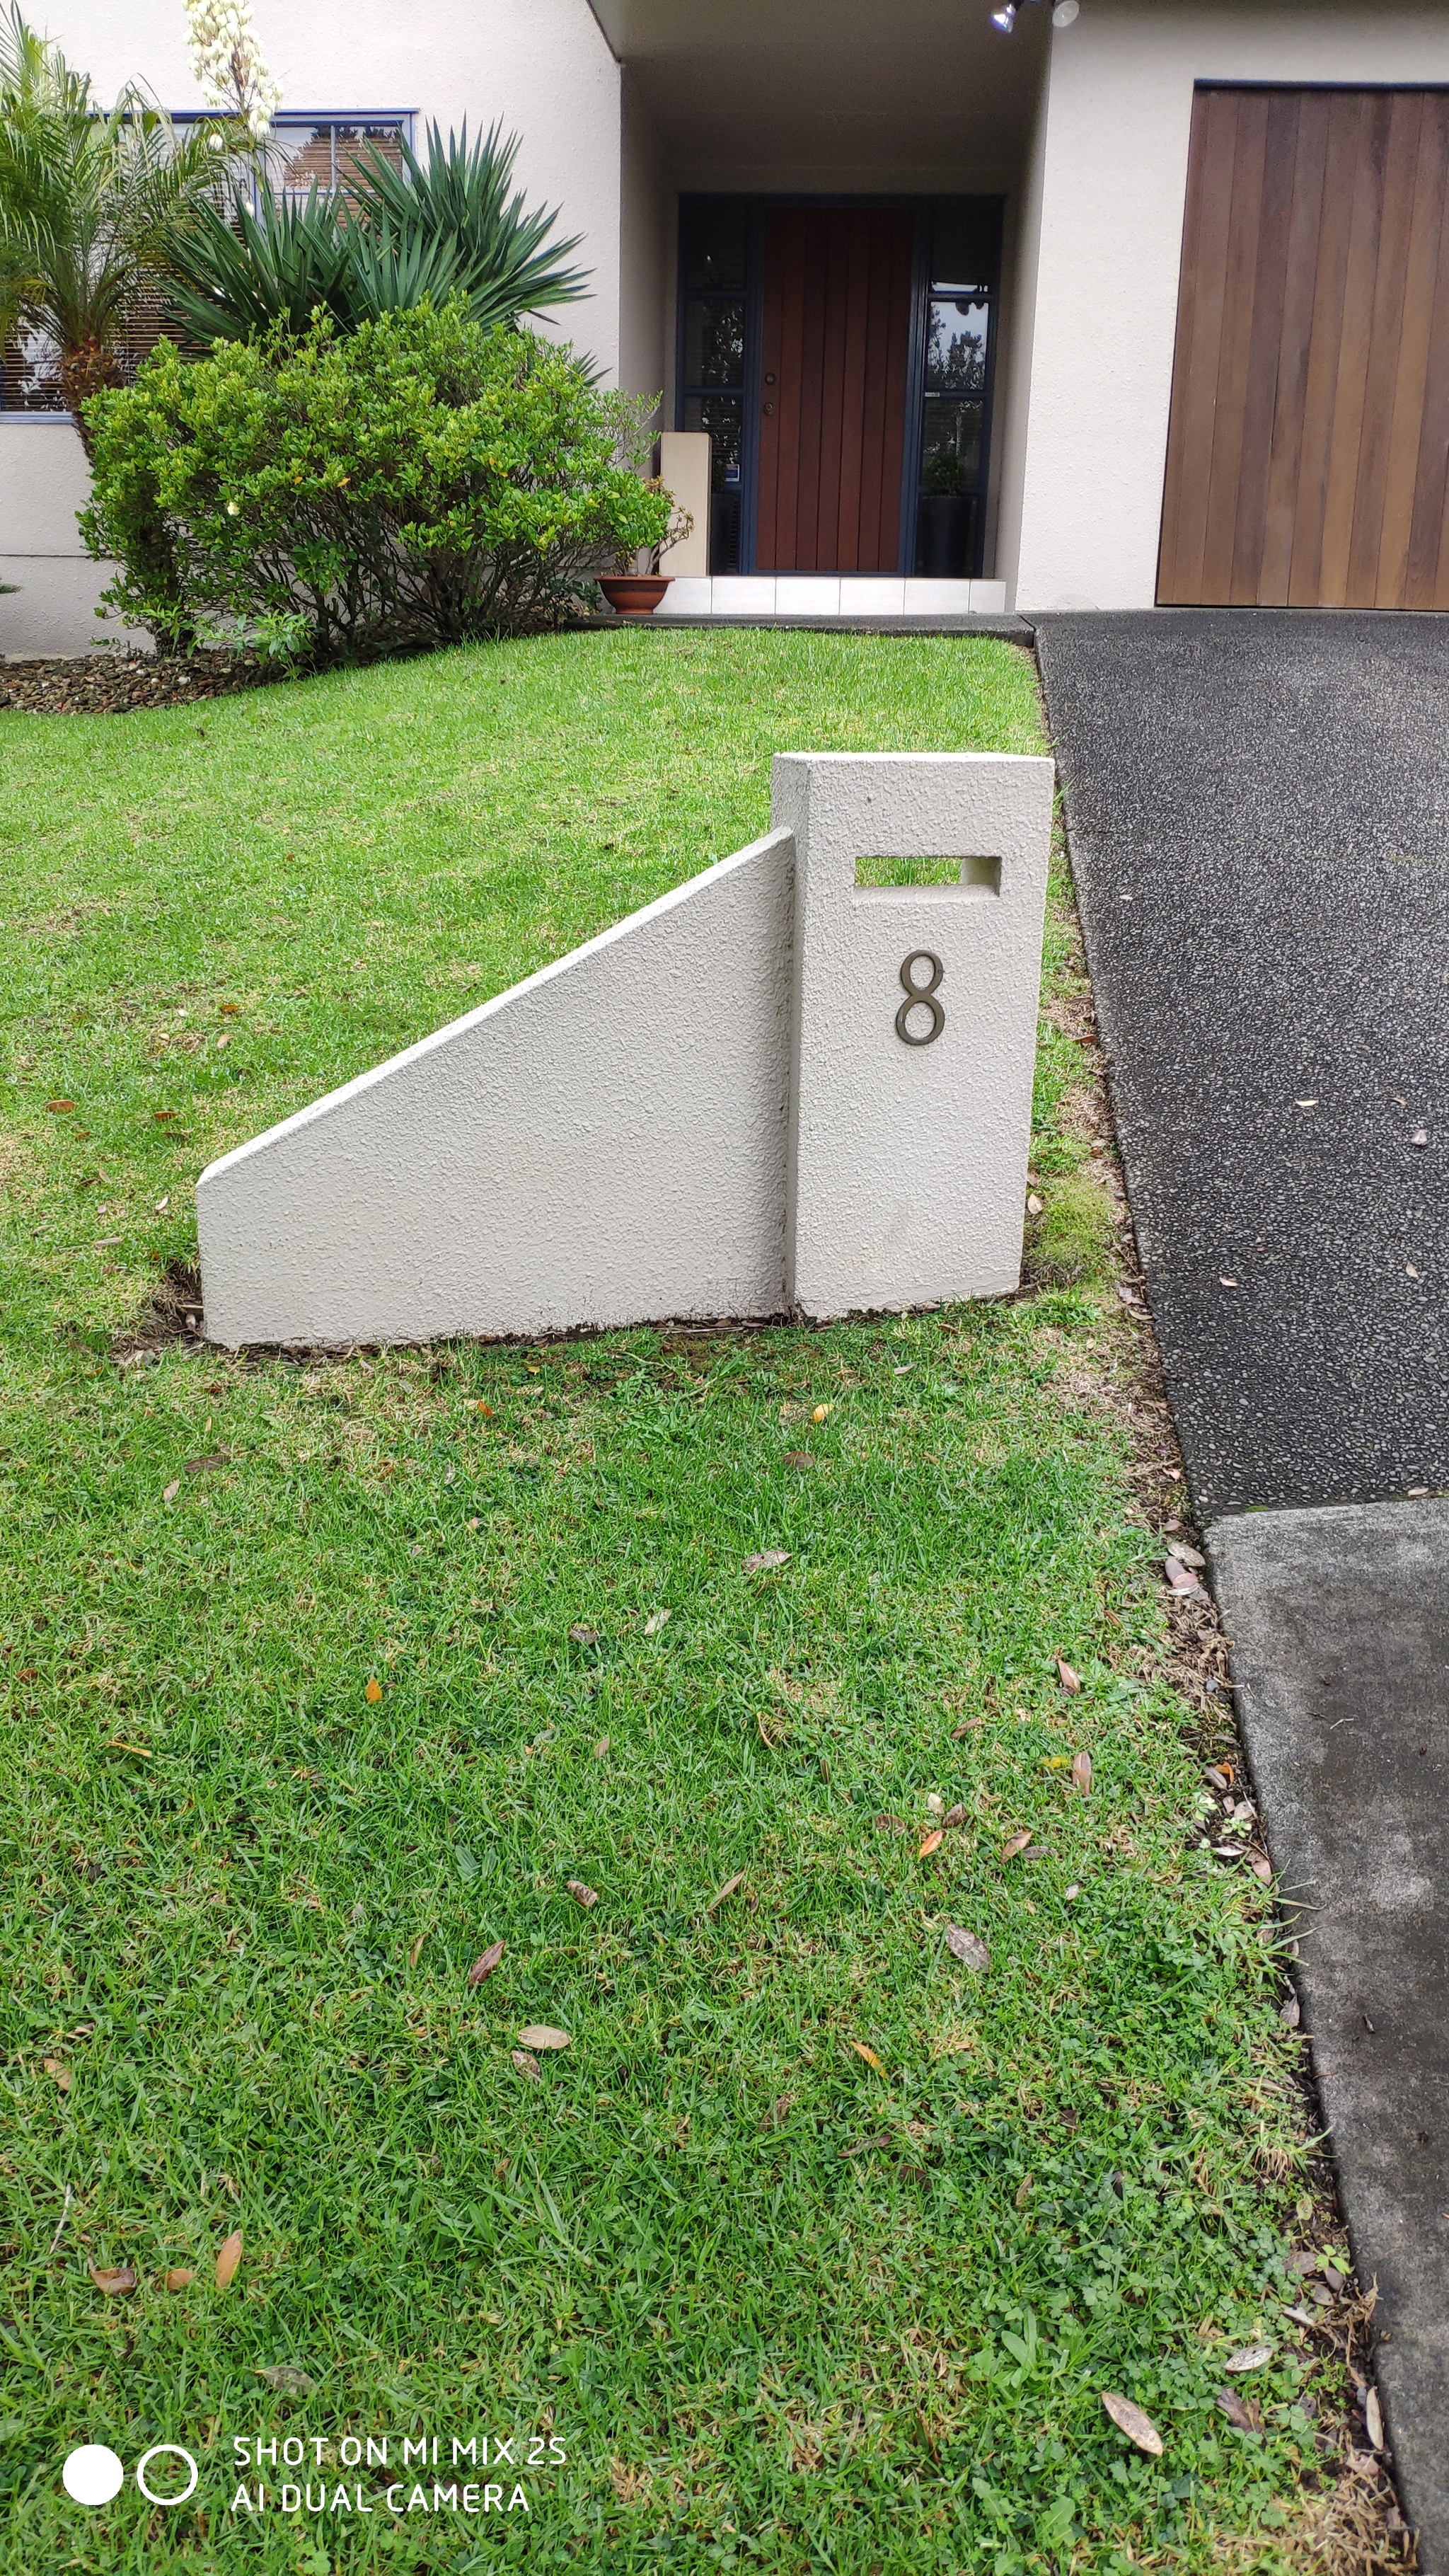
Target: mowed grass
816	2248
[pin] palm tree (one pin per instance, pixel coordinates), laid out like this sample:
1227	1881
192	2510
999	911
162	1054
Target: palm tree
91	203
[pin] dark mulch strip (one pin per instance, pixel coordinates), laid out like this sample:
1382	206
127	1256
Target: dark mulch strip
114	684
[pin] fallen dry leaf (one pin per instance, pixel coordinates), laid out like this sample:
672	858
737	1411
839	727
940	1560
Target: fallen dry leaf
116	2284
1023	2190
1082	1773
484	1966
281	2376
373	1692
1236	2412
891	1825
1179	1548
868	2054
1252	2357
541	2034
931	1842
767	1563
1373	2416
820	1412
1017	1843
1129	2419
655	1622
179	2279
1180	1577
172	1490
58	1108
582	1895
728	1889
583	1636
601	1748
227	2260
965	1946
526	2065
58	2074
1070	1681
936	1804
953	1817
415	1950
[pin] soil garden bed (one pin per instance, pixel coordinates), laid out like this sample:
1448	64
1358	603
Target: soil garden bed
114	684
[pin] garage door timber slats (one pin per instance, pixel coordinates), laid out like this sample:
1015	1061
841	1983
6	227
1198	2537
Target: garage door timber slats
1308	452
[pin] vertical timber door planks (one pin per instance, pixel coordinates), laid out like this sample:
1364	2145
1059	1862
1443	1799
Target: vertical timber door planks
836	347
1309	434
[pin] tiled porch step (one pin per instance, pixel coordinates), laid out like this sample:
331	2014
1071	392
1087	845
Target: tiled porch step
825	595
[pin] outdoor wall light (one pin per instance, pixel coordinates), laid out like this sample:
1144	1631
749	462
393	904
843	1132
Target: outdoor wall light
1063	15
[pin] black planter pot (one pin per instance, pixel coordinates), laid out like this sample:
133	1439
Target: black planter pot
943	535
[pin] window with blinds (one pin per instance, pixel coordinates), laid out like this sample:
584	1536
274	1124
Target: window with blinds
310	151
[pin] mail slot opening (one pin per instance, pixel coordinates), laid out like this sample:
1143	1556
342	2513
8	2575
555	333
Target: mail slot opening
978	876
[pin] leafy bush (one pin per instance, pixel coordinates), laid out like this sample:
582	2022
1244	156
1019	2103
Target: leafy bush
429	231
333	497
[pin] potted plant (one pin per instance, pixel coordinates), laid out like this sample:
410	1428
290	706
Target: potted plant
631	592
945	518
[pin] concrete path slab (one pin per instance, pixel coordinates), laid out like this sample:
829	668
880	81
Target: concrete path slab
1340	1628
1258	806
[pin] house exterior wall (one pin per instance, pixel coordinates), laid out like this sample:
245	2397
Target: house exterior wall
1085	449
541	67
54	586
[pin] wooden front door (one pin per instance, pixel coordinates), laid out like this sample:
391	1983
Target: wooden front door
1308	453
834	360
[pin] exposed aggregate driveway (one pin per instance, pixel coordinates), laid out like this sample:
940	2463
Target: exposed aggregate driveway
1258	806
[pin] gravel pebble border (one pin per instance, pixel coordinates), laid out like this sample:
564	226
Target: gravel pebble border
115	684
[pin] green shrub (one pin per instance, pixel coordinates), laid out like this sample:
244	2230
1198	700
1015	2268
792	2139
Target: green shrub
333	498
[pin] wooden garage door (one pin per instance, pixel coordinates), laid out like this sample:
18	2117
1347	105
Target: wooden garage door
1308	453
834	349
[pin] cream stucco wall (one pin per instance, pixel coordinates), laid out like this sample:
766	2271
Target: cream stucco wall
542	67
1090	378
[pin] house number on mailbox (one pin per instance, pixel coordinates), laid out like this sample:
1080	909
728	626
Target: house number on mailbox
920	997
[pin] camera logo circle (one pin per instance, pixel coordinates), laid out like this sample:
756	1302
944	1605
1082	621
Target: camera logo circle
93	2474
157	2451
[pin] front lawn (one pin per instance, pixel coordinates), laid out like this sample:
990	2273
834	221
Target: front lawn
817	2246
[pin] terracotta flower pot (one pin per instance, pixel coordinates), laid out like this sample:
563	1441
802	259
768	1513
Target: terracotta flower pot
635	594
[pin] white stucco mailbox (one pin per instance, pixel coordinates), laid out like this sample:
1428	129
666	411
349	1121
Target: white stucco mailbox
775	1088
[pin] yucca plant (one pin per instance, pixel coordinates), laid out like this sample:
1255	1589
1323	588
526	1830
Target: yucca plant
435	231
460	194
91	202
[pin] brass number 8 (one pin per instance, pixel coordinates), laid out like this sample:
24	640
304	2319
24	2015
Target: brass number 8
921	996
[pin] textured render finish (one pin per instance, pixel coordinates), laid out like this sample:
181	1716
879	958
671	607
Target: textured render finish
1086	443
1340	1628
908	1166
44	481
604	1144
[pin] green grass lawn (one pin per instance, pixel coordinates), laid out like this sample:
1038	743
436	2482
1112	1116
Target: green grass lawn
816	2248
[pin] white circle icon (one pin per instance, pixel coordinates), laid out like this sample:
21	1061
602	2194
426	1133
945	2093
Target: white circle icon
92	2475
158	2451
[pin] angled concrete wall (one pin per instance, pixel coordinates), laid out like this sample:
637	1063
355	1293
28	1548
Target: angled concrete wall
722	1106
603	1144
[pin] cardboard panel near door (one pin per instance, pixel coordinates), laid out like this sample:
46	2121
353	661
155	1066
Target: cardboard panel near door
834	357
1308	453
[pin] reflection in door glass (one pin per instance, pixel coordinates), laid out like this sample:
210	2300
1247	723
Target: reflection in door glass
713	245
953	412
